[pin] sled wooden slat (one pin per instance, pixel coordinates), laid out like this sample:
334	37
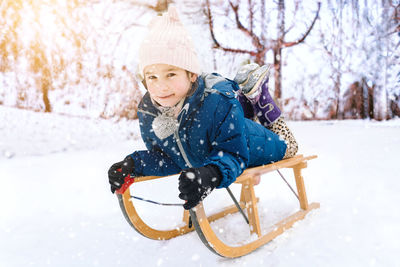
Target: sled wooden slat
248	202
301	190
148	178
251	206
286	163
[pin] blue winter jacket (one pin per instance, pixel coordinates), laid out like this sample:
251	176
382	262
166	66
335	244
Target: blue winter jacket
212	130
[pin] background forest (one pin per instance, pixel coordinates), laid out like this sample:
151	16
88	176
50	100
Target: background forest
335	59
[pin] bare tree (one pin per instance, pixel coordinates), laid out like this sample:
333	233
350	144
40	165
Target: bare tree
41	68
260	43
43	63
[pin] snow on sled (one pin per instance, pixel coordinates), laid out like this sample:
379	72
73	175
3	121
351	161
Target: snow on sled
247	204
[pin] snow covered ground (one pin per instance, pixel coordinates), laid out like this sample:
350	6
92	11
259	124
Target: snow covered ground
56	208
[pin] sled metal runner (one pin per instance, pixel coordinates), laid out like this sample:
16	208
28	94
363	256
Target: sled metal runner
248	202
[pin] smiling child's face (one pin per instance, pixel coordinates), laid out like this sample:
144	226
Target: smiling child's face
167	84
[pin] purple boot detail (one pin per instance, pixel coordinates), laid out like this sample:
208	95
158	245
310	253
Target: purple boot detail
246	105
266	109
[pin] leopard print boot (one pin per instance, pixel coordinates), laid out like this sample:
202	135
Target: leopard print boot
280	128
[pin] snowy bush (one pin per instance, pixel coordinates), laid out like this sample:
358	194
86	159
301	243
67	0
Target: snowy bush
69	57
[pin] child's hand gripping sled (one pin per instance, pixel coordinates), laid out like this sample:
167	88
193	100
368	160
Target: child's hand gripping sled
197	183
119	175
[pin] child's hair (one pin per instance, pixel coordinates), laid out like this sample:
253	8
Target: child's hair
168	42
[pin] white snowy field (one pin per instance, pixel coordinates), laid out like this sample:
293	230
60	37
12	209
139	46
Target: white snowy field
57	210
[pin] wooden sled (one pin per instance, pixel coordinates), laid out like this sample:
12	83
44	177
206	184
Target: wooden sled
248	201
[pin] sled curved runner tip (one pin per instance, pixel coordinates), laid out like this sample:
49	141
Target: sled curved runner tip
248	201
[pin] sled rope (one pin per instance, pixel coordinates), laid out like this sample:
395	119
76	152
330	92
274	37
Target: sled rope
237	205
230	194
291	188
155	202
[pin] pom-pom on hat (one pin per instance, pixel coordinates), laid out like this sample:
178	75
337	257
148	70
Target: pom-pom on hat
168	42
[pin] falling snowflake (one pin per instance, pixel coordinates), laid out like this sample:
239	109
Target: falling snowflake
190	175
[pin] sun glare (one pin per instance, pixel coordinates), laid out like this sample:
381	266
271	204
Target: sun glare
42	20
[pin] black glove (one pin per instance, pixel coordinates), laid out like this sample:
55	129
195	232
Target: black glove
118	171
197	183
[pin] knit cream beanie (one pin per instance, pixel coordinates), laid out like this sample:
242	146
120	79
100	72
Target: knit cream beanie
168	42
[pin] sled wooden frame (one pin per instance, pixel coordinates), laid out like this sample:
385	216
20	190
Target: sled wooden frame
248	201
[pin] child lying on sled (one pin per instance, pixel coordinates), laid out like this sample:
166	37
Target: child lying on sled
199	124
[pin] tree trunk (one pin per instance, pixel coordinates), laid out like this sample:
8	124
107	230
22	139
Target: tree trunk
278	52
278	74
46	84
337	84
